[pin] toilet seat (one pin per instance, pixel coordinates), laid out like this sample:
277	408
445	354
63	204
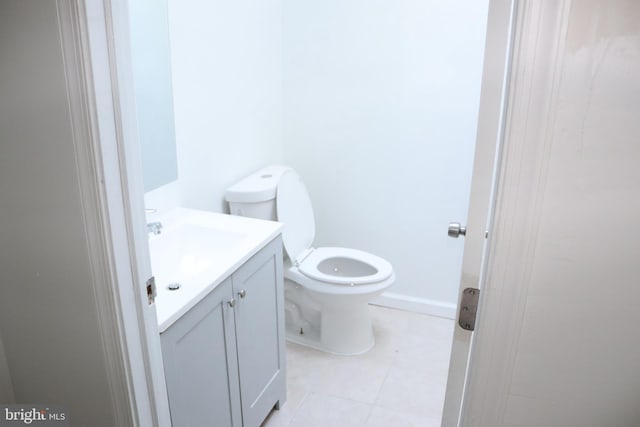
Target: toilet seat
345	266
325	270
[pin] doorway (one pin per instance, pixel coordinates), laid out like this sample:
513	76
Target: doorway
347	178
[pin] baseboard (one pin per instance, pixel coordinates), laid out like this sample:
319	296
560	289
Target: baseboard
418	305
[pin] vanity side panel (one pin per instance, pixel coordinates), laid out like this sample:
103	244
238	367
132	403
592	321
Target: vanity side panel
259	317
200	360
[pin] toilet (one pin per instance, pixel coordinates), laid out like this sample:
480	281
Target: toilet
327	290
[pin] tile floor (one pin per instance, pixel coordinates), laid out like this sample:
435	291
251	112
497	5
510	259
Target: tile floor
399	383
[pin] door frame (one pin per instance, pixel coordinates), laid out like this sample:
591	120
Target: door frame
101	31
97	55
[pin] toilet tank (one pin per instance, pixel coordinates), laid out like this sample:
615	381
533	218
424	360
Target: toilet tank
255	195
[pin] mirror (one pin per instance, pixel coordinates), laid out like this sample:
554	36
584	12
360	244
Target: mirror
151	59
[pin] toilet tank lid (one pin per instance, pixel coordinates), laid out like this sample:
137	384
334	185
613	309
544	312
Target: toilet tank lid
260	186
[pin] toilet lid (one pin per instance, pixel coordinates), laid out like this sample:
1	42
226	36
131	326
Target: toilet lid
294	209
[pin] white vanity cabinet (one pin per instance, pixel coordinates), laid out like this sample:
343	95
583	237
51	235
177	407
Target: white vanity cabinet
224	358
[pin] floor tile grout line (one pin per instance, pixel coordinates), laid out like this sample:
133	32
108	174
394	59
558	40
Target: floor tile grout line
386	376
366	421
295	411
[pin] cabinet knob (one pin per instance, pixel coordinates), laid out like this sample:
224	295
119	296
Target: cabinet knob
232	302
242	293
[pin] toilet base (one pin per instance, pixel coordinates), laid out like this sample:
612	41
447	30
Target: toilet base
347	331
311	338
342	328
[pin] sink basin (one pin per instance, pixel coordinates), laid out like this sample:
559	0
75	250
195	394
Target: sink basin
185	251
198	250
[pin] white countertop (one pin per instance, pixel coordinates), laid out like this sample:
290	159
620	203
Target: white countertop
198	250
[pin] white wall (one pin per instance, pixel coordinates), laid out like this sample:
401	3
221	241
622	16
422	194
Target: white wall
558	341
227	83
381	104
48	315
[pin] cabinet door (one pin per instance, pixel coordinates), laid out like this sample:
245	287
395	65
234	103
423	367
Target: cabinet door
200	361
259	316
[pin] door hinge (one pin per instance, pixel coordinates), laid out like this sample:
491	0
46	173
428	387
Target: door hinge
468	308
151	290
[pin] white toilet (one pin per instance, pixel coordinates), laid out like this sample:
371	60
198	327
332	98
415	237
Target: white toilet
327	290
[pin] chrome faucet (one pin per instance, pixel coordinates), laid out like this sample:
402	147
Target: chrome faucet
154	227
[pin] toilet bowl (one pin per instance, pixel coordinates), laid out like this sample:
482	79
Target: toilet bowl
344	269
327	289
342	297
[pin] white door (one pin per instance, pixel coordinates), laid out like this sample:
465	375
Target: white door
556	339
493	93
